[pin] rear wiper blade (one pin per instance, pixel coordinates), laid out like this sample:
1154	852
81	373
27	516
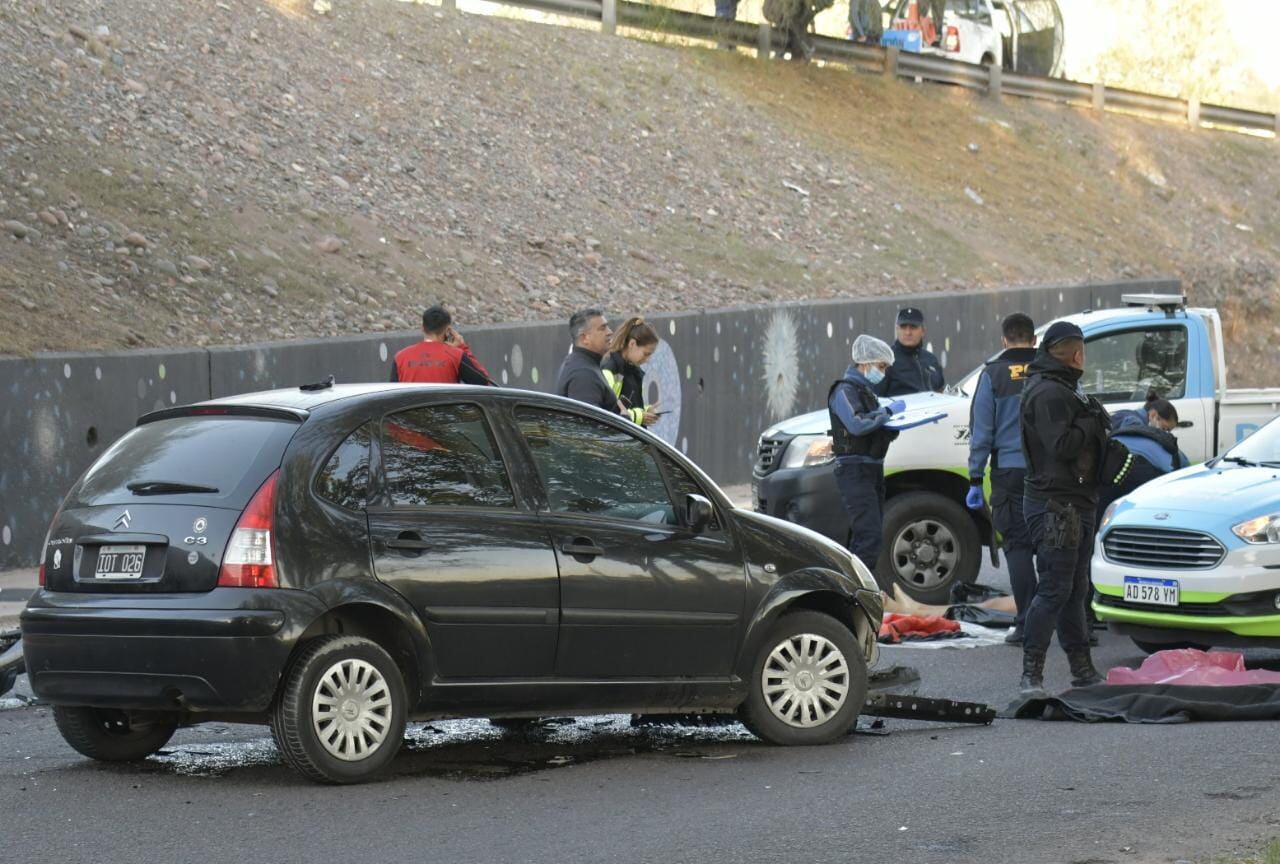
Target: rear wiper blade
166	487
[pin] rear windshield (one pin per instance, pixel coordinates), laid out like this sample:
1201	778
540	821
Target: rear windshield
230	454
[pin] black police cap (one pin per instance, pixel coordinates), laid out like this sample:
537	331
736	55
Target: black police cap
1058	331
911	315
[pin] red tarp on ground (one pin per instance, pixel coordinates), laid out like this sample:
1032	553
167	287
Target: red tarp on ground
896	628
1191	667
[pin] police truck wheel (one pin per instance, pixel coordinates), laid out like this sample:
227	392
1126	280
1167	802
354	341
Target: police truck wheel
111	735
930	544
339	716
808	683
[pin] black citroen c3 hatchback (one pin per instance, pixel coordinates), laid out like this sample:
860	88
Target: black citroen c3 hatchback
334	561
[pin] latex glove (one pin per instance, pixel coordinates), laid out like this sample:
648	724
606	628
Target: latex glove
973	499
897	406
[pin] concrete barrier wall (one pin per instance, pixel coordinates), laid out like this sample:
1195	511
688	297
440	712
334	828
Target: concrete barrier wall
724	375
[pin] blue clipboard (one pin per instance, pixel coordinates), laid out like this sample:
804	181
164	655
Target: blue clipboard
912	419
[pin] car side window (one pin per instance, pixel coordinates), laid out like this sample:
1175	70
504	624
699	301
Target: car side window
344	479
443	455
682	484
1125	366
595	469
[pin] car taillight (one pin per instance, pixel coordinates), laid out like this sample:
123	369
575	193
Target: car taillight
250	560
952	40
44	550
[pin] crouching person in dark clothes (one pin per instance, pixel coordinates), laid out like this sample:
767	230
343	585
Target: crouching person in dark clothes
1069	456
860	442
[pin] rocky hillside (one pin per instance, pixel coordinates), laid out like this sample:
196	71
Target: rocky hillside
209	172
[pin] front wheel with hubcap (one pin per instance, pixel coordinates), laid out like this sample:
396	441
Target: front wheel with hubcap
112	735
931	543
809	681
340	713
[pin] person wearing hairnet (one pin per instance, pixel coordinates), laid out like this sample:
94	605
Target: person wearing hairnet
860	441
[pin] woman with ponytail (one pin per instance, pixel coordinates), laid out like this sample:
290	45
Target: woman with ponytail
633	344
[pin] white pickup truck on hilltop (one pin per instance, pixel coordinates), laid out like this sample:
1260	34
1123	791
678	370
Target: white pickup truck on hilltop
931	539
1020	35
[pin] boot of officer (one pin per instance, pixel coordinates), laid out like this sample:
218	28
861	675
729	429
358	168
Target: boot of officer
860	441
1069	456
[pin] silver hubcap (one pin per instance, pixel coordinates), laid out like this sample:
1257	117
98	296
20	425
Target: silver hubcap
805	680
925	554
351	710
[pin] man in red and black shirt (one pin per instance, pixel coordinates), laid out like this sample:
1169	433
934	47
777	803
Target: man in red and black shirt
442	357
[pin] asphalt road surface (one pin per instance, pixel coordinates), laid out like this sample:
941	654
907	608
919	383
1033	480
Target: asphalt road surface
599	790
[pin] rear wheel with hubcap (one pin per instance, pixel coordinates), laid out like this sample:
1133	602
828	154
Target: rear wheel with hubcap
809	681
111	735
340	713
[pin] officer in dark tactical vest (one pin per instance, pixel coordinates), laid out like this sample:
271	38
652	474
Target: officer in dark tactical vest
860	442
995	438
1069	456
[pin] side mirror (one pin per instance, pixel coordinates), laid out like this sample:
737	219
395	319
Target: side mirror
697	513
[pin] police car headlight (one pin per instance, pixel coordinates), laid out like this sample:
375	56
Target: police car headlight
1264	529
1107	515
805	451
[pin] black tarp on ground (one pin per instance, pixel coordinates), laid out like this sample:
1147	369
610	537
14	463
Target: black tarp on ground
1151	703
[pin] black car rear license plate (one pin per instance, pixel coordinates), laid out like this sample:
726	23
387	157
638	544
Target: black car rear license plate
120	562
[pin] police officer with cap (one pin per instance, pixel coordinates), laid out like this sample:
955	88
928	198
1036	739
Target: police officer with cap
860	441
995	437
914	369
1069	456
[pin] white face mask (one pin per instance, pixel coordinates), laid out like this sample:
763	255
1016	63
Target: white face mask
874	375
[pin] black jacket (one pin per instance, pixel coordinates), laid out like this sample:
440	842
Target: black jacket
580	378
857	420
1065	437
914	370
627	381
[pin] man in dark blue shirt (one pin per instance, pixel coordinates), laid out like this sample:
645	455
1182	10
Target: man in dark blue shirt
914	368
995	438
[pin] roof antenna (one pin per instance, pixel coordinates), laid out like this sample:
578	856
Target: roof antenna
319	385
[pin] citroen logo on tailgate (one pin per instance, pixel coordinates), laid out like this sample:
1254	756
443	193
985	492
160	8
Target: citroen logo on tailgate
123	521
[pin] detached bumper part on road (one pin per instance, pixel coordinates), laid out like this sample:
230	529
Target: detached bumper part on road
805	496
121	654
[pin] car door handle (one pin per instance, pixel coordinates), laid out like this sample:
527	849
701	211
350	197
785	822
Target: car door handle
408	540
581	546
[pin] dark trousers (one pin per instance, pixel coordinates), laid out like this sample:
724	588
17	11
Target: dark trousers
1019	551
861	485
1063	587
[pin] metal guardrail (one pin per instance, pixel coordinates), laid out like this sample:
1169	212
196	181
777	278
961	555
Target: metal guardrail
993	81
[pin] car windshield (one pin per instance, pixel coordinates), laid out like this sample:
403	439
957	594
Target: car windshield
1262	447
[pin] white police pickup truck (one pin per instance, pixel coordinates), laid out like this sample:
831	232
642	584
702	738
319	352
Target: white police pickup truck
931	540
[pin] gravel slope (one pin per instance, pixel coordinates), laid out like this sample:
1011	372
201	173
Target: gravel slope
204	173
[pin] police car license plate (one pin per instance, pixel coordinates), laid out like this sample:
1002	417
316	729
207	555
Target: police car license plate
120	562
1157	592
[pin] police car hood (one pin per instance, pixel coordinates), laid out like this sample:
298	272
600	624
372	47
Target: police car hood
955	405
1225	489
